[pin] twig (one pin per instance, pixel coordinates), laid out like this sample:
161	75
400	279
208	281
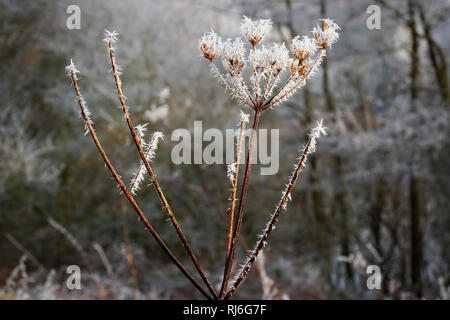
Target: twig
243	197
310	147
155	182
234	184
271	103
123	187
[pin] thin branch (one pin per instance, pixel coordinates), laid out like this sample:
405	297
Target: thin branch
233	92
124	189
310	147
243	197
151	174
234	184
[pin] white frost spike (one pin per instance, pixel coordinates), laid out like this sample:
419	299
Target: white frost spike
140	131
327	35
110	36
319	129
244	117
315	134
255	31
71	68
135	184
303	47
233	50
231	171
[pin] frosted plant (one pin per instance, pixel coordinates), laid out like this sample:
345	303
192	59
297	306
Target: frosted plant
266	66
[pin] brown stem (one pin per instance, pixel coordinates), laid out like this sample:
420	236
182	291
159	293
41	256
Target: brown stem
263	240
153	177
237	229
128	195
233	198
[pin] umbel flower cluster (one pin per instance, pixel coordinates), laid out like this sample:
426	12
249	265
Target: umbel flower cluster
266	64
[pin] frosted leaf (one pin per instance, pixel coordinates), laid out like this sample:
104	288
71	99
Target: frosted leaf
278	57
319	129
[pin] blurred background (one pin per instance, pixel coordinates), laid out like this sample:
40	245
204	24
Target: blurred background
375	193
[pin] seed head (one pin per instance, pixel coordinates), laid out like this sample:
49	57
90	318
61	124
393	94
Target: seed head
210	45
233	56
254	31
328	34
304	47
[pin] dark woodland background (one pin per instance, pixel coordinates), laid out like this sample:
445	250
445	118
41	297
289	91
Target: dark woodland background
376	192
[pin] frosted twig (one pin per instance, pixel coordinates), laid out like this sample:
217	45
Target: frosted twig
309	148
234	183
127	194
155	182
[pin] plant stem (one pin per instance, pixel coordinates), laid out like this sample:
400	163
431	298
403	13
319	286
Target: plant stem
233	199
152	175
237	229
270	226
128	195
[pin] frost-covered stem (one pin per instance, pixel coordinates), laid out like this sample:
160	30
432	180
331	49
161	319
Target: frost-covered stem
310	146
136	178
291	76
247	93
274	100
233	198
268	88
255	76
127	194
243	197
234	92
152	175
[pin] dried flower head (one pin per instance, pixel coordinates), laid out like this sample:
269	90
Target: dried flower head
233	56
267	63
278	57
210	45
328	34
254	31
304	47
